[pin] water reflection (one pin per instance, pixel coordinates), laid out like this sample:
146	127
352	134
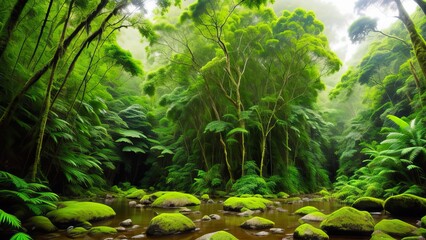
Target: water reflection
283	218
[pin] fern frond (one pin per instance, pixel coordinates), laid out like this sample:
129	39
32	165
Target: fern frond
21	236
9	219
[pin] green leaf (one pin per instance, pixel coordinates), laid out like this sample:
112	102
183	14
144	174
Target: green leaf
20	236
398	121
237	130
133	149
9	219
216	126
124	140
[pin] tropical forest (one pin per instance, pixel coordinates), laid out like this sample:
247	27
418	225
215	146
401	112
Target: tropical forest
212	119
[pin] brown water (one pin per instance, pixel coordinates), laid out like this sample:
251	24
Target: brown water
228	222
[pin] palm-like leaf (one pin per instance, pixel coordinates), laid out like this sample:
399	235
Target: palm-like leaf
9	219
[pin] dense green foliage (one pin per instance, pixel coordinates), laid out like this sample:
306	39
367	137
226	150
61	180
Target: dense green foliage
382	151
227	103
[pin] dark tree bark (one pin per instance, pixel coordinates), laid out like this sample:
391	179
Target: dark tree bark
422	5
10	24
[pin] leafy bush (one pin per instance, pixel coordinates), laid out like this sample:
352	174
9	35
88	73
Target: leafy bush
208	182
19	199
251	183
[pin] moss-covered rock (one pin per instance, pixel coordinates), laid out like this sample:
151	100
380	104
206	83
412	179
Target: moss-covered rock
369	204
379	235
149	198
175	199
169	223
237	204
348	220
313	217
324	193
257	223
423	222
306	210
76	232
283	195
205	197
40	223
396	228
72	212
137	194
102	230
219	235
421	232
413	238
406	205
309	232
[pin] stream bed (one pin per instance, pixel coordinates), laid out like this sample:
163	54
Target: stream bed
284	219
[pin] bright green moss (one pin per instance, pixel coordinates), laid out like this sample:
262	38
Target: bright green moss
169	223
396	228
348	220
76	212
40	223
423	222
379	235
309	232
138	193
151	197
406	205
222	235
77	232
369	204
219	235
282	195
313	217
324	193
175	199
306	210
102	230
257	223
252	203
205	197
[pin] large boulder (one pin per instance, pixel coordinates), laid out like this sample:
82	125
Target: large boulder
396	228
219	235
40	223
102	230
309	232
257	223
313	217
169	223
137	194
237	204
348	221
306	210
406	205
76	232
175	199
379	235
73	212
369	204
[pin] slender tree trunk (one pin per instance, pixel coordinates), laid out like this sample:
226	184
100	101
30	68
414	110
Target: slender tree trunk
422	5
58	54
41	30
6	31
47	103
417	40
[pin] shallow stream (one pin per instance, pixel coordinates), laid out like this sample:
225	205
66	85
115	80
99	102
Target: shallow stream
229	222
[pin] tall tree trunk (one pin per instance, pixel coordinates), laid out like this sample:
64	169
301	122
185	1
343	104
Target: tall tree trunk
46	17
47	103
58	54
422	5
417	40
6	31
